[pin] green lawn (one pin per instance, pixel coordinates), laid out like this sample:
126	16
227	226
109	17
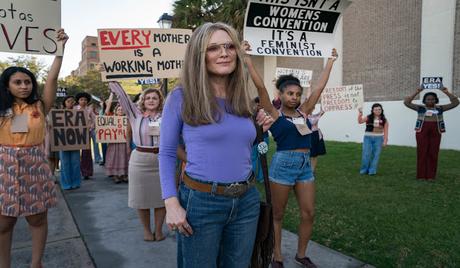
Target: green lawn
388	220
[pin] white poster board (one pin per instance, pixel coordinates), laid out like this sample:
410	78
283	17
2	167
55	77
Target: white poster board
30	26
303	75
342	98
111	129
294	28
127	54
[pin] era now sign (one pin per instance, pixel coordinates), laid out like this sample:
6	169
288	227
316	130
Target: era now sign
30	26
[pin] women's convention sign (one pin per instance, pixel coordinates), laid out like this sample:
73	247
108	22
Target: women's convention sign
142	53
294	28
30	26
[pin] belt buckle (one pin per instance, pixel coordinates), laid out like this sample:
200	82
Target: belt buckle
235	189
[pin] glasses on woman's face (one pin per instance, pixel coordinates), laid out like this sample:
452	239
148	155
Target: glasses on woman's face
216	49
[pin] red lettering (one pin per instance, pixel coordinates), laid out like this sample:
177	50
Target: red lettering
103	38
136	34
124	38
99	134
5	33
146	35
114	39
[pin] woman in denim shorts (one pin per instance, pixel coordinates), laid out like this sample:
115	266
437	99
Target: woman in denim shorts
290	167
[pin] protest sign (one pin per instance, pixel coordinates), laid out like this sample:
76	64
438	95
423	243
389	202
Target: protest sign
294	28
111	129
148	81
303	75
70	130
342	98
142	53
61	92
30	26
432	83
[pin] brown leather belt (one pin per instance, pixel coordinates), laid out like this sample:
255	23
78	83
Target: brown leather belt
154	150
231	190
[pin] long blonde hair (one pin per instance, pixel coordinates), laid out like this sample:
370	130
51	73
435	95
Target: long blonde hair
200	105
141	101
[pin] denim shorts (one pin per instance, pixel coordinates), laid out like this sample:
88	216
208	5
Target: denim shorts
290	167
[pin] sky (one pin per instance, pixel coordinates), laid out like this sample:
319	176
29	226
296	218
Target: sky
80	18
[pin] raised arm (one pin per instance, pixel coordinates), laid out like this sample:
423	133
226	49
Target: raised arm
259	83
408	100
361	119
309	105
131	109
108	104
453	100
49	92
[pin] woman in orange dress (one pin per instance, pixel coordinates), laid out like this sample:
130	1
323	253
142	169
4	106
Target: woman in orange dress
26	188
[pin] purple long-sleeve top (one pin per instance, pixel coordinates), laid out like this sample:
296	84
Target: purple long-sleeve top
138	121
219	152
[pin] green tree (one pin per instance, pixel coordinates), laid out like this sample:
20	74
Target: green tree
193	13
29	62
91	83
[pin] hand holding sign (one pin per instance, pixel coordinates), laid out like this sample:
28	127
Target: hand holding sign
334	55
62	37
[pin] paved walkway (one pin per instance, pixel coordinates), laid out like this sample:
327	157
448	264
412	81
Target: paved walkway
93	227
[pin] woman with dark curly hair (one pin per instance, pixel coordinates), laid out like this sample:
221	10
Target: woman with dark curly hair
291	167
429	127
375	136
26	187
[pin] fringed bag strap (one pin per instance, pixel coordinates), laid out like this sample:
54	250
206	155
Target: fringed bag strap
262	149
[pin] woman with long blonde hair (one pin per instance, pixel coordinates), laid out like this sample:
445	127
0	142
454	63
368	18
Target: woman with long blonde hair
216	208
144	190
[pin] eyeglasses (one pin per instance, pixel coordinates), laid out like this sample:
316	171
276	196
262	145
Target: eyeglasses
216	49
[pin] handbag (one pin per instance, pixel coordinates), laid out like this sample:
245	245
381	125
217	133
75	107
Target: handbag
263	246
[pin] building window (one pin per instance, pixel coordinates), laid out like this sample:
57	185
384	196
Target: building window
91	66
93	54
93	44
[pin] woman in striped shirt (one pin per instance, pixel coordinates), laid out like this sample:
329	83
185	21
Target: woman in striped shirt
144	190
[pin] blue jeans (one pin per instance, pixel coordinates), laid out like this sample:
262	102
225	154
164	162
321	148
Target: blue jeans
372	146
70	169
97	154
224	229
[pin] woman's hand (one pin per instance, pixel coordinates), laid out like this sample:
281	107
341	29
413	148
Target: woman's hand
62	37
334	55
264	119
176	217
245	48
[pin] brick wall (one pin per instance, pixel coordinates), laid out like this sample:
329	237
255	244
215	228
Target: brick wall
381	47
456	71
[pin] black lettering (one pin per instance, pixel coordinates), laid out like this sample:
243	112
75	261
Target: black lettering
70	136
59	136
53	43
56	118
335	5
